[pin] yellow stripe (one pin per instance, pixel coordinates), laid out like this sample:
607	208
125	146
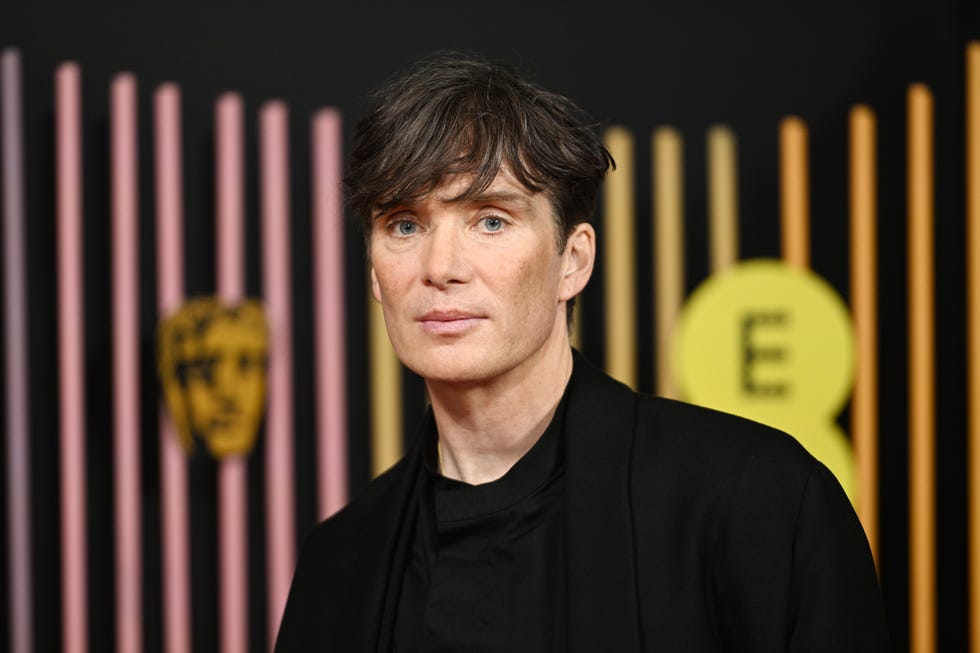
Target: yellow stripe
795	191
922	452
668	247
973	327
576	336
619	218
722	197
864	284
386	394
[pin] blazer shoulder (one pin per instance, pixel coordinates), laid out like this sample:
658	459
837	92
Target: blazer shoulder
728	434
714	447
368	509
344	565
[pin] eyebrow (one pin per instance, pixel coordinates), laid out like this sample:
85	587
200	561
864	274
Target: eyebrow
485	197
492	197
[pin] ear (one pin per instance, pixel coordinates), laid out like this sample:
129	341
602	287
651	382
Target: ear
375	286
577	261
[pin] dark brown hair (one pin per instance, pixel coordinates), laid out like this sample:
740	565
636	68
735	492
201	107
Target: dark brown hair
459	114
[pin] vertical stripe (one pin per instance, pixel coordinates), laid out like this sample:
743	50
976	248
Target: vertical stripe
328	284
722	197
277	290
15	356
71	339
794	191
386	394
170	294
973	329
668	248
575	338
619	254
232	471
125	362
230	196
922	378
864	298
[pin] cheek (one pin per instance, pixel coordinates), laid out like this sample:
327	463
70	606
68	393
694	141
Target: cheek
392	280
535	287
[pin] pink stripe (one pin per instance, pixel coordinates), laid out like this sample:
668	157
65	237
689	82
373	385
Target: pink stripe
280	525
233	592
232	474
71	338
126	372
15	314
230	190
328	261
170	294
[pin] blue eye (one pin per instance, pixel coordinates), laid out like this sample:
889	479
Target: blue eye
406	228
493	224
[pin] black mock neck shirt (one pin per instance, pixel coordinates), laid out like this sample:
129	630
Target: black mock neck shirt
486	571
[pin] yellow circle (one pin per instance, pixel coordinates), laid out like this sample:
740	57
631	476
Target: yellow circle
765	338
774	344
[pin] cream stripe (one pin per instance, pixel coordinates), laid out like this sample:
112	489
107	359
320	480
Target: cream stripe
668	247
722	197
619	219
386	394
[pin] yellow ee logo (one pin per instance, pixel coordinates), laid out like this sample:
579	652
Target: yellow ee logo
774	344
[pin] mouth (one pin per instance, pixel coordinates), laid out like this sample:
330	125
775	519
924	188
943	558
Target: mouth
449	322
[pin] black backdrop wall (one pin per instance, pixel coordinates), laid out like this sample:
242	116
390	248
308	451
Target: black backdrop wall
685	64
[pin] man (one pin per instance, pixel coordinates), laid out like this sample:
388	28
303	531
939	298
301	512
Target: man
544	506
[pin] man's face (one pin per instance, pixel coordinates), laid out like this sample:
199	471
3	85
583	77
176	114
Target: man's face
471	290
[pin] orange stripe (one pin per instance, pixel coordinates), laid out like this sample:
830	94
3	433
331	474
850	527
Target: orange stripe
973	327
795	191
922	448
864	285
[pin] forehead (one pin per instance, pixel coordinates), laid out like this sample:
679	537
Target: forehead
503	188
466	188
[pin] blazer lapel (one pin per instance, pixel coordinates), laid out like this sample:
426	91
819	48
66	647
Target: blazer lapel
362	617
398	542
600	564
348	579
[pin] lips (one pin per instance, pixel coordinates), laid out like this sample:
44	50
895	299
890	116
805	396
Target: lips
451	322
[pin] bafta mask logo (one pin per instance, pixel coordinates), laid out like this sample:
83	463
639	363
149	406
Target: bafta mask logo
212	365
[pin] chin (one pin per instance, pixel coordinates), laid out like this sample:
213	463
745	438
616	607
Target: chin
450	372
453	367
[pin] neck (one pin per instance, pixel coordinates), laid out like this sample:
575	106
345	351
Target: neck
484	428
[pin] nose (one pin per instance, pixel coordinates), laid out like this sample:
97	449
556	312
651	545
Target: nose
224	379
444	261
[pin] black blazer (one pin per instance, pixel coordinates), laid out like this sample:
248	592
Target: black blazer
686	530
